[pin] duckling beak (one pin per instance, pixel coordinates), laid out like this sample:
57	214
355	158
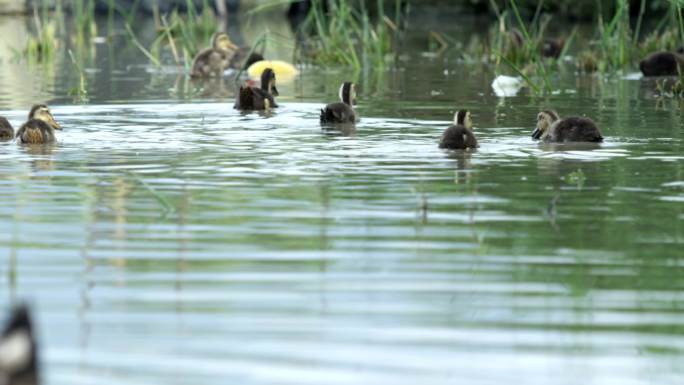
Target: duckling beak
536	134
51	121
274	91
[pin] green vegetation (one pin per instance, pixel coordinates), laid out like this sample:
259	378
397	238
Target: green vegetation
345	35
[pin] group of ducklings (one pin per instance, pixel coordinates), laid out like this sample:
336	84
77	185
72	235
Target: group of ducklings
551	128
39	128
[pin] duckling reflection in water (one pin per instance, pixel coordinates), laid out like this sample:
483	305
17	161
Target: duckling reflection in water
40	127
18	352
6	130
459	136
343	111
258	98
552	129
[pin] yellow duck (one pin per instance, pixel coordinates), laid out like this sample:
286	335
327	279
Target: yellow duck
460	135
551	128
258	98
343	111
40	127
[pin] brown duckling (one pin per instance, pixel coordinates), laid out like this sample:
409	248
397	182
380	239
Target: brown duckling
460	135
223	54
212	61
18	352
662	64
551	128
40	127
258	98
6	130
342	112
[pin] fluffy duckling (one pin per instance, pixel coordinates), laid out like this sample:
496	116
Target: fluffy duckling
662	64
342	112
6	129
258	98
40	127
460	135
212	61
551	128
18	352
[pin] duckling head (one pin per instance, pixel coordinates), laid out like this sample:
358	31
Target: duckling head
268	82
42	112
544	120
462	118
348	93
221	40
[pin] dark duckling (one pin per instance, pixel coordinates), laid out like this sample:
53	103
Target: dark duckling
18	352
6	130
258	98
662	64
342	112
460	136
548	47
551	128
40	127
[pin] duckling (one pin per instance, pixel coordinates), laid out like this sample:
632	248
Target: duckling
551	128
548	47
342	112
223	54
18	352
460	135
662	64
6	129
212	61
40	127
254	98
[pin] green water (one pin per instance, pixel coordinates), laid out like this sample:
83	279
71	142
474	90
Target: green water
168	239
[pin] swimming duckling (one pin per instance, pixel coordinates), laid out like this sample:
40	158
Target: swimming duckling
459	136
551	128
40	127
662	64
18	352
6	129
255	98
342	112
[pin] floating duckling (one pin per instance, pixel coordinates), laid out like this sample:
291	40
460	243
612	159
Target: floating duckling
6	130
40	127
223	54
342	112
258	98
459	136
662	64
551	128
18	352
285	71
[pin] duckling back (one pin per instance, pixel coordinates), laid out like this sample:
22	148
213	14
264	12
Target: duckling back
6	129
253	98
662	64
574	129
36	131
338	113
210	62
458	137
